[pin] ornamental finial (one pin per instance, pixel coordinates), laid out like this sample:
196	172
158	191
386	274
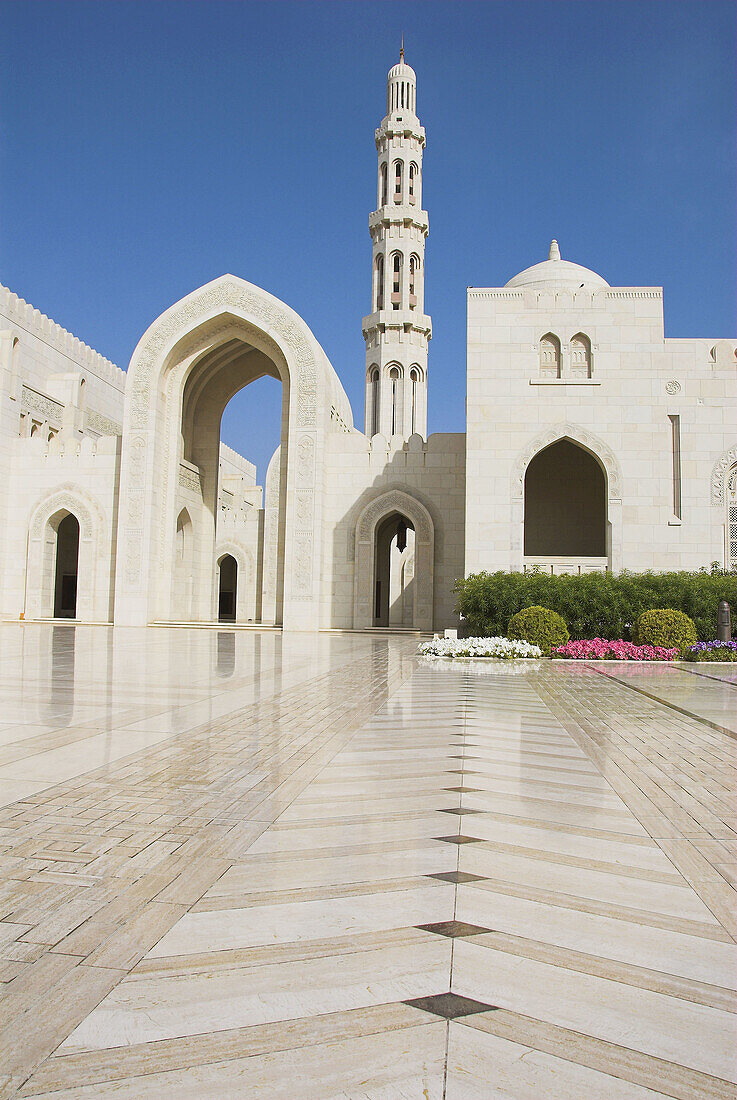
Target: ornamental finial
401	49
554	253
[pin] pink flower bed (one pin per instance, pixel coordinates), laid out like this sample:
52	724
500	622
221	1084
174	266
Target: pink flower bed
598	649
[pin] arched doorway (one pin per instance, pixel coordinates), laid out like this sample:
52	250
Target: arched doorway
227	588
66	567
565	505
394	564
394	571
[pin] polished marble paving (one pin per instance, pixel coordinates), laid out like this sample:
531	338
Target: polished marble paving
246	864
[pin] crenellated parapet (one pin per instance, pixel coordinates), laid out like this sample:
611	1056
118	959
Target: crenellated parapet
25	316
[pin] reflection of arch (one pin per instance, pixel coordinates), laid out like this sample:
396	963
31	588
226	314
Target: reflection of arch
369	520
210	344
44	520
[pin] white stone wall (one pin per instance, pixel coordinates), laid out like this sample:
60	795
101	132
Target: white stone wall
621	413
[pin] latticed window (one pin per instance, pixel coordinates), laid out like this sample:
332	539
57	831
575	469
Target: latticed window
581	356
550	356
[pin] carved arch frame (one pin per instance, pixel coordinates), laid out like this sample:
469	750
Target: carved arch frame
149	468
92	600
719	475
364	576
606	458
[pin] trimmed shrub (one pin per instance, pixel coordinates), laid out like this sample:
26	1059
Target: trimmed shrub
664	626
594	605
539	626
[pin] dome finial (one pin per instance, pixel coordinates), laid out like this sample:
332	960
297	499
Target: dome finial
401	48
554	253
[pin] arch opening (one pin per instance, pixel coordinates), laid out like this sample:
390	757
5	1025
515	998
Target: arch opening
66	567
227	588
235	409
394	572
565	504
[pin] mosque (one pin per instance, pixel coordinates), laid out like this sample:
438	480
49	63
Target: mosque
592	443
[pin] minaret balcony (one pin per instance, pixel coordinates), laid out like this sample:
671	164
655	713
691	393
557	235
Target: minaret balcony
385	320
405	215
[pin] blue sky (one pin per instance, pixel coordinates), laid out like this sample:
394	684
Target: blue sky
152	146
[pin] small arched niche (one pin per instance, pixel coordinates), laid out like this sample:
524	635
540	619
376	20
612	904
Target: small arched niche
581	366
550	356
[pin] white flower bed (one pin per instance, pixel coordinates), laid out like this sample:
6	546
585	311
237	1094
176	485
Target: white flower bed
504	649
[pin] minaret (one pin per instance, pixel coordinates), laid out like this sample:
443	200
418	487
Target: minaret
397	330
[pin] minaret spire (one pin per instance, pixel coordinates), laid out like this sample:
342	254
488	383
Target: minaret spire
397	330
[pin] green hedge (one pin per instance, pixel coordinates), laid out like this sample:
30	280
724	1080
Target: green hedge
594	605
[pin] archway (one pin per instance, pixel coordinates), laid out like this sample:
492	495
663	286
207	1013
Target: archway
58	549
186	368
394	564
394	570
66	566
565	504
227	588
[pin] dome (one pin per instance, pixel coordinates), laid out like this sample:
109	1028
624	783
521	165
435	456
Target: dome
402	71
557	274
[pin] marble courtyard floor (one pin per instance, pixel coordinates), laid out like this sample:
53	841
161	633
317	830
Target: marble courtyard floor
241	864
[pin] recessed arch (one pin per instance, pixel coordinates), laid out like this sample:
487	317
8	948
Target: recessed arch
92	597
565	504
393	503
550	356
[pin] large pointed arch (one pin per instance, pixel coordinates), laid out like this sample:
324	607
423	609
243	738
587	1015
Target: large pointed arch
192	336
378	509
583	438
609	464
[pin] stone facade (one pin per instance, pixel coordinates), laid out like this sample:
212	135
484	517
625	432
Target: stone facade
592	443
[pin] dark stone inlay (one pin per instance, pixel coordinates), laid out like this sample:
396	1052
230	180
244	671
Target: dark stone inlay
450	1005
454	928
457	876
465	790
460	811
460	839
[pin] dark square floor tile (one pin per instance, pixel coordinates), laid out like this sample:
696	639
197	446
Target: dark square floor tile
450	1005
465	790
459	839
457	876
460	811
454	928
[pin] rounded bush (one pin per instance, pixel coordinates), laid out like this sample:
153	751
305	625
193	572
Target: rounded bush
664	626
539	626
